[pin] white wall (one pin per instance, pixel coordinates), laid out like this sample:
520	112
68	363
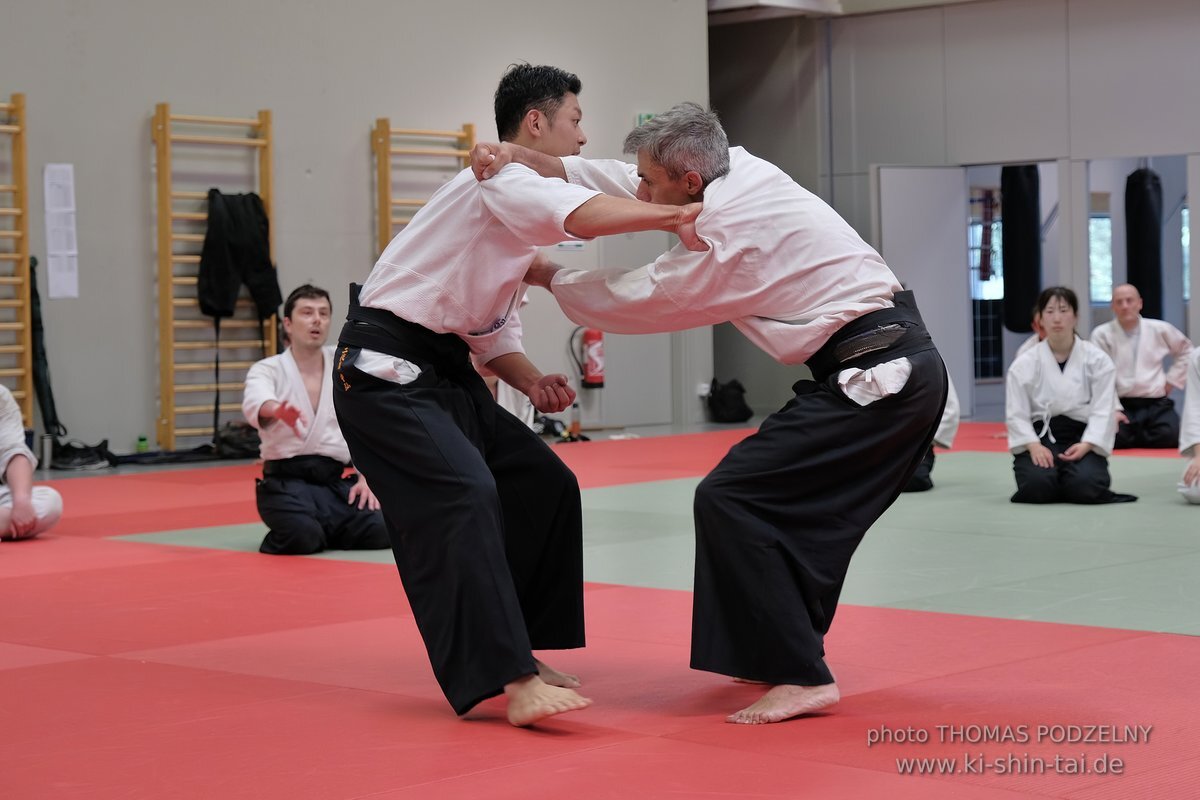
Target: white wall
762	77
92	73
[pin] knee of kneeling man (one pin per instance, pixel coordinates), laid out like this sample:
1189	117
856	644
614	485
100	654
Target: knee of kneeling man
50	505
1191	494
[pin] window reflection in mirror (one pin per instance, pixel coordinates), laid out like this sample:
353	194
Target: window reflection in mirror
1107	238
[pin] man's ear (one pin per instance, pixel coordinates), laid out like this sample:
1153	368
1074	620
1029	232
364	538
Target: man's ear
534	122
693	183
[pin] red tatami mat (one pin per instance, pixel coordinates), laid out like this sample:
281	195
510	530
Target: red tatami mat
138	670
236	675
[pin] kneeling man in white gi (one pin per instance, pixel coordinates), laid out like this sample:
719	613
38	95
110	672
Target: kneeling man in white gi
302	496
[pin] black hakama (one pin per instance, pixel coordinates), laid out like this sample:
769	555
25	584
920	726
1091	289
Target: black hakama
1085	481
779	518
485	520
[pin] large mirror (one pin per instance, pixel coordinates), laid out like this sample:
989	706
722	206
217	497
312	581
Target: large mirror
1108	231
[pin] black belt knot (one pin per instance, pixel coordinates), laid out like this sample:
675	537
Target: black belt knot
883	335
309	468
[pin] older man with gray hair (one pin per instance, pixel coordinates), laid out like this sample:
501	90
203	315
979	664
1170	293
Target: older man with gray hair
1137	345
779	518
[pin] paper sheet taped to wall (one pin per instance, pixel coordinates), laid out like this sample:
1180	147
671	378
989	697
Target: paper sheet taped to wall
62	248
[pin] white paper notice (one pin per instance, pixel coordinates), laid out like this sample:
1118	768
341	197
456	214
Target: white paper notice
62	249
62	275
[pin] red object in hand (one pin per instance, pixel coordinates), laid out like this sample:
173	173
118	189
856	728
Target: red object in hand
593	358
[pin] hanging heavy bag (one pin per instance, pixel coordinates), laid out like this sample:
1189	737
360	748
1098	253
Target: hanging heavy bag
727	402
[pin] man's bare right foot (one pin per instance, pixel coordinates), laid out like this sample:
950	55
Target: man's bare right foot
531	699
786	701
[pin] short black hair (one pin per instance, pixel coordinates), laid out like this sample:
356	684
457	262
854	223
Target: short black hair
526	87
305	292
1061	292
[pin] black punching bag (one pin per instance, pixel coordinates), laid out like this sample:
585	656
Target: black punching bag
1143	238
1021	237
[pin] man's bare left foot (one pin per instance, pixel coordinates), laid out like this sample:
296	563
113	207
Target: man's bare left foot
530	699
554	677
786	701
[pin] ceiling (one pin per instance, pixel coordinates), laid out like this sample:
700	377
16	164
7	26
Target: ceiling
724	12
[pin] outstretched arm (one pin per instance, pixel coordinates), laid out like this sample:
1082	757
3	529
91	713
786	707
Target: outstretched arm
604	216
283	411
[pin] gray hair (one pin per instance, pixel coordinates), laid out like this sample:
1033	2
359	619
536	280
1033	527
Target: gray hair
684	139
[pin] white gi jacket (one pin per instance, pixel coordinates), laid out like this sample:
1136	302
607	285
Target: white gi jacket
1036	390
459	265
1139	356
782	265
278	378
12	432
1027	345
1189	423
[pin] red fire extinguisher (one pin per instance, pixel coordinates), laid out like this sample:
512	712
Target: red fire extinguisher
593	358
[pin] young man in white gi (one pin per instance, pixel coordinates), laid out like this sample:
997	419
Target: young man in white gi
779	518
302	496
485	520
25	510
1137	346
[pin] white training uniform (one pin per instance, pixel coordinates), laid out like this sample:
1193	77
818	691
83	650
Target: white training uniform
1189	427
278	378
1036	389
951	414
1027	345
460	265
47	502
787	294
1139	355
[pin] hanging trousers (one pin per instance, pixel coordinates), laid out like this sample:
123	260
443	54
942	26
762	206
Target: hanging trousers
485	520
779	518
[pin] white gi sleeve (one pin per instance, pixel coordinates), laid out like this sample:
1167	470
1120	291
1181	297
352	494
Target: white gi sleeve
502	342
1018	406
12	433
649	299
1101	430
1189	429
1181	348
606	175
533	208
260	388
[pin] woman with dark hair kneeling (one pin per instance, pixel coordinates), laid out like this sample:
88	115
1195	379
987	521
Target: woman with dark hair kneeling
1060	399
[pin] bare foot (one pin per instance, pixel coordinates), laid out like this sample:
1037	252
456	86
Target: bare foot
531	699
550	675
786	701
749	680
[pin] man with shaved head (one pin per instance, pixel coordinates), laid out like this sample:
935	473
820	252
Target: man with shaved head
1146	417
